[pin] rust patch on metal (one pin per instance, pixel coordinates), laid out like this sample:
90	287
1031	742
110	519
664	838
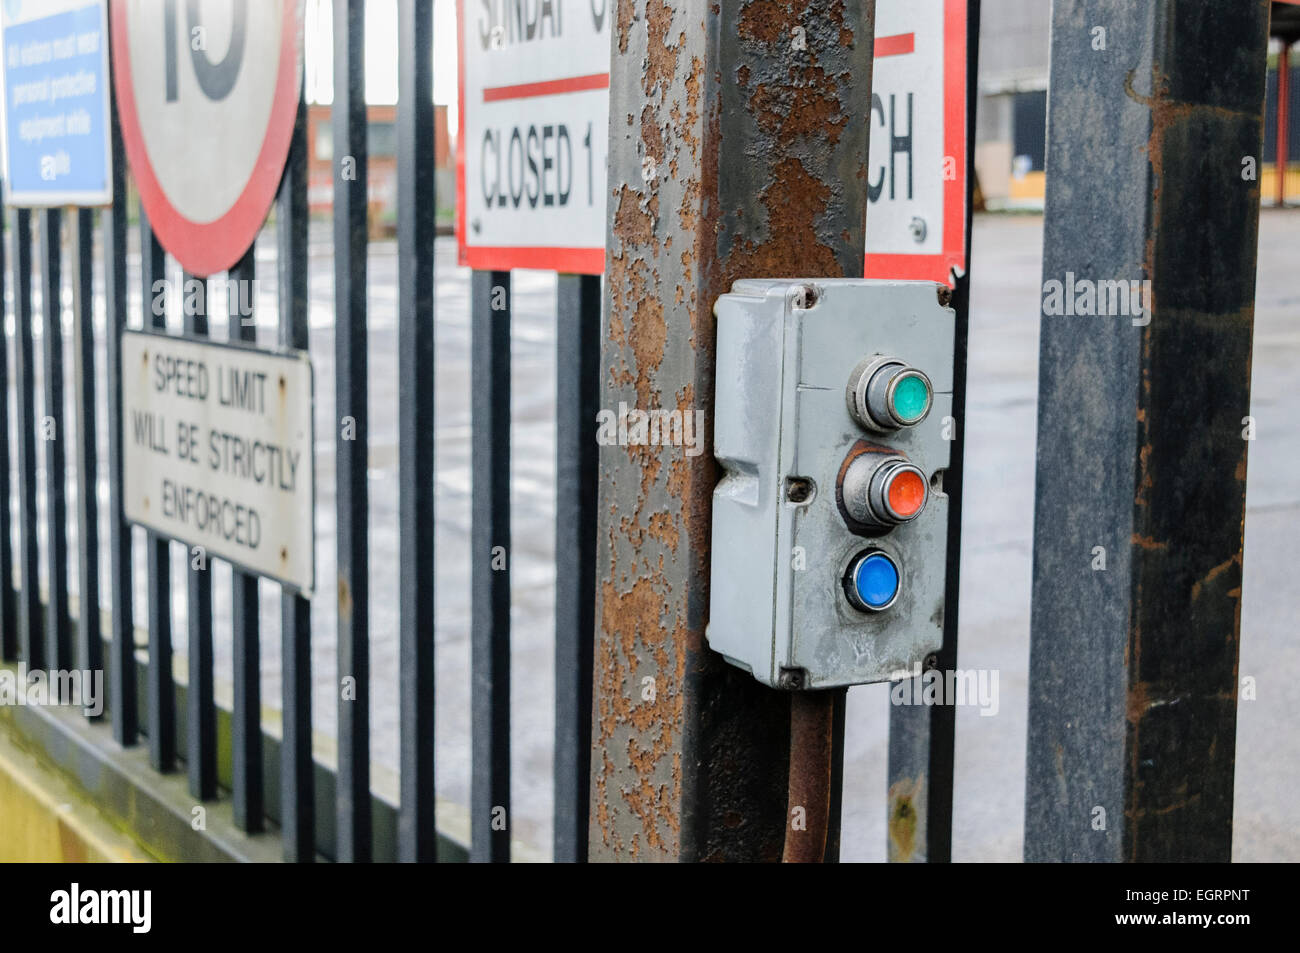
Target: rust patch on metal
634	218
345	598
623	23
906	807
1234	560
664	529
652	137
809	107
1138	701
795	200
604	823
647	337
632	618
1166	113
1146	542
661	58
766	21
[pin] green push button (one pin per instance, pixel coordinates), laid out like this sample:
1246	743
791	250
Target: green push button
911	399
885	394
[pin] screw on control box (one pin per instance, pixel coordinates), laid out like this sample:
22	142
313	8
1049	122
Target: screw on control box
832	421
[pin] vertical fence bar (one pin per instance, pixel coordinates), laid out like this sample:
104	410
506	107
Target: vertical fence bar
32	641
161	688
350	240
1133	670
58	630
90	643
489	566
751	197
577	399
201	720
839	720
416	220
246	711
1283	131
297	781
122	690
922	738
8	597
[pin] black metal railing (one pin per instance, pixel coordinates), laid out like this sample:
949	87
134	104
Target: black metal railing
184	722
1111	653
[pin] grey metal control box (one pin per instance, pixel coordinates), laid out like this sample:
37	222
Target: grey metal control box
832	421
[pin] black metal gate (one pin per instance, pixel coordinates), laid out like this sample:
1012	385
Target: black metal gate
1134	688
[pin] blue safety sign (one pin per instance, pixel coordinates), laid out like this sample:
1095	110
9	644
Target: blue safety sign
56	106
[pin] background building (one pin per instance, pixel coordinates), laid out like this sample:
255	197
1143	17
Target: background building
1011	125
1011	128
381	143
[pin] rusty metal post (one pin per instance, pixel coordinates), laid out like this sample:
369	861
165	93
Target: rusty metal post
1149	257
738	148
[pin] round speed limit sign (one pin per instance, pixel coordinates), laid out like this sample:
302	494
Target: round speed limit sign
207	93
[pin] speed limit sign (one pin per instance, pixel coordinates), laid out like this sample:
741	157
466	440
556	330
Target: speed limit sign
207	94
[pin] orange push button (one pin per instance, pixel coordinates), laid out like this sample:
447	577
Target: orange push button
906	492
883	491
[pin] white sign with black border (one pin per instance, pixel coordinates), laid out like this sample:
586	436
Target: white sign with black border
217	451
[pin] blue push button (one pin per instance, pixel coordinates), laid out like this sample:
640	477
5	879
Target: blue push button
872	583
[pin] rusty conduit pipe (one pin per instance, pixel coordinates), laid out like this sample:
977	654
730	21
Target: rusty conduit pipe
812	770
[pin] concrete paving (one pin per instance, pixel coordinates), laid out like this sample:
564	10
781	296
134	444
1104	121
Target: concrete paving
996	559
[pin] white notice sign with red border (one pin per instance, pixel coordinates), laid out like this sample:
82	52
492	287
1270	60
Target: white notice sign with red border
534	113
534	130
916	214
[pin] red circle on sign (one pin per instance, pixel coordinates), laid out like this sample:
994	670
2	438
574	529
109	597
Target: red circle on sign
205	248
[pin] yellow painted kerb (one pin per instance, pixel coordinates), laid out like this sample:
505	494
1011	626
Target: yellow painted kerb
44	819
